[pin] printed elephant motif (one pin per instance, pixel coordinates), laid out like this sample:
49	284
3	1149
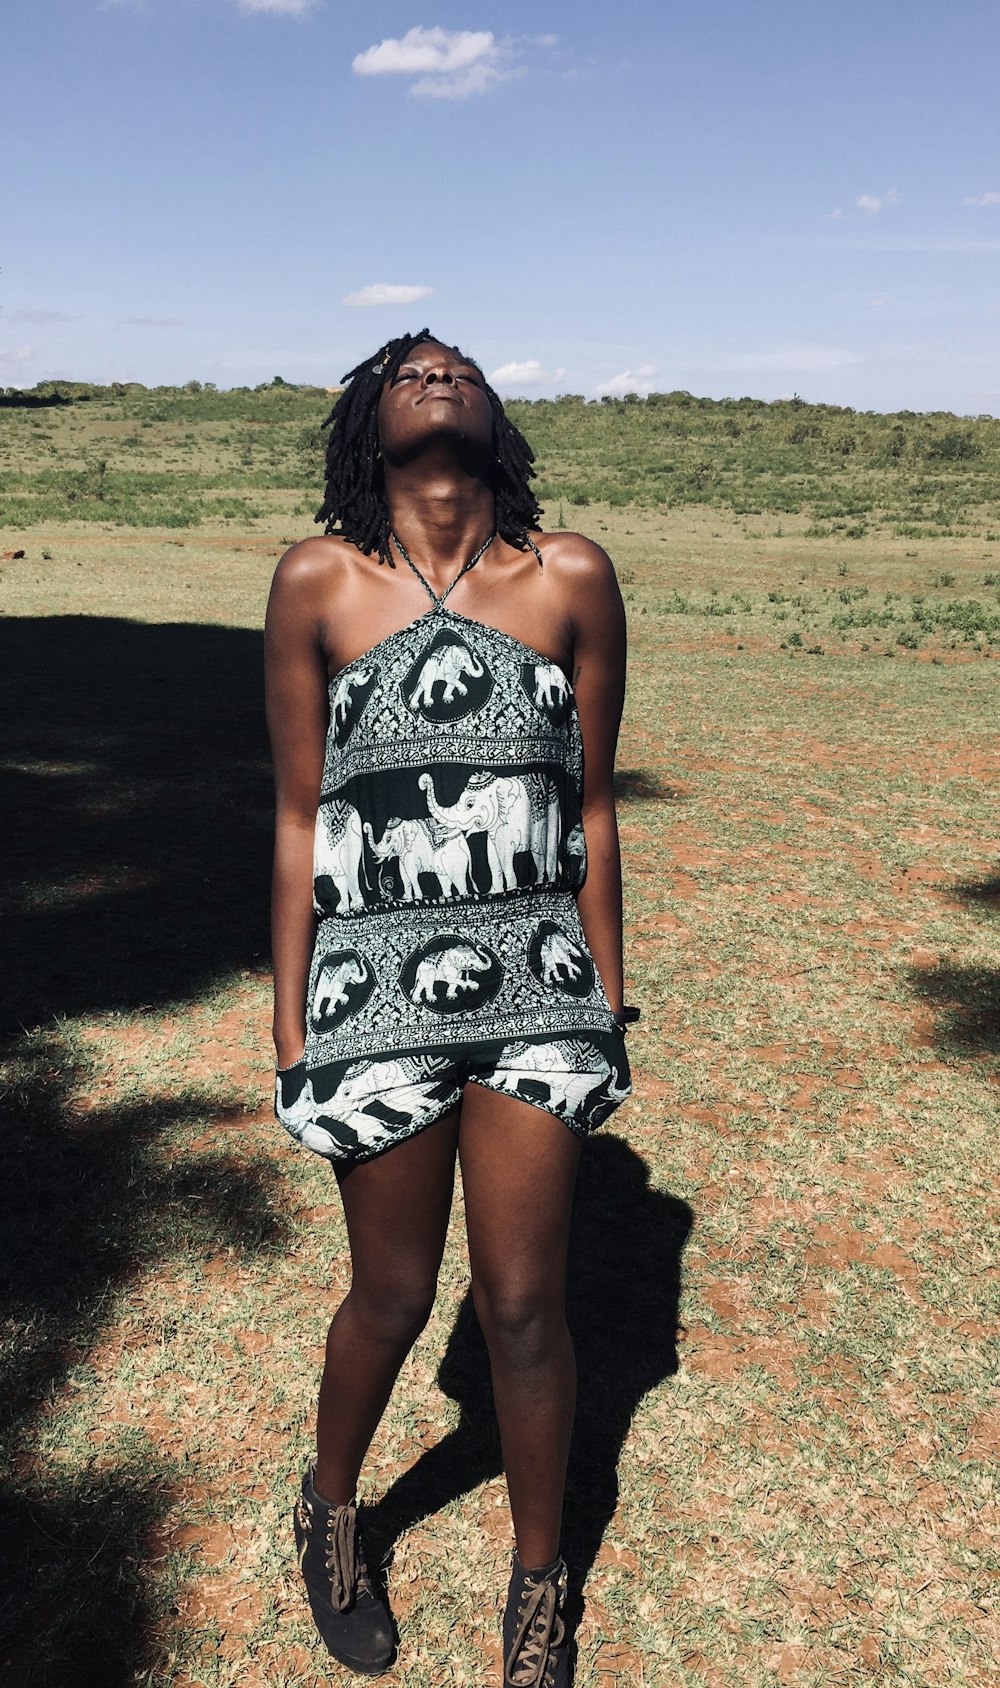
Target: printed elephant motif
576	845
570	1092
549	679
516	812
445	667
559	961
420	847
345	707
302	1118
454	968
391	1080
333	991
340	698
339	854
558	951
408	1082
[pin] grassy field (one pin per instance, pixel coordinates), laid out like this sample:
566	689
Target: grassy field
785	1281
177	456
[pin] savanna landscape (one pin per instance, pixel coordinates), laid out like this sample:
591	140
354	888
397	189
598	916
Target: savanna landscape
784	1284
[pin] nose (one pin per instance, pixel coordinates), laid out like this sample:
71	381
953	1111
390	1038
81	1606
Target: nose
442	373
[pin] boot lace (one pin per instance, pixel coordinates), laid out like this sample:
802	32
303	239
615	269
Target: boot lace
344	1562
540	1630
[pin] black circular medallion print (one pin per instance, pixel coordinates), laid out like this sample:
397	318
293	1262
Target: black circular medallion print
558	960
448	680
344	982
451	974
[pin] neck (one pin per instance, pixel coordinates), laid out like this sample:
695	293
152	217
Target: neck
442	514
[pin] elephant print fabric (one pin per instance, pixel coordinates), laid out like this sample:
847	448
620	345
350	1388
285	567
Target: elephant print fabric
449	850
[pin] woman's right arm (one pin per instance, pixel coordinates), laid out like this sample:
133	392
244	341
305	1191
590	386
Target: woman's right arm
296	691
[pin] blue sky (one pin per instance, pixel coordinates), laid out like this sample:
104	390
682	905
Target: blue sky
729	196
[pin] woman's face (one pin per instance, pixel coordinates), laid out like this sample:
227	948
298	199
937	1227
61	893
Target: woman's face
436	392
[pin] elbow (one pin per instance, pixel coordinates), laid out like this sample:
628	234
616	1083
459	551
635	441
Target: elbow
291	818
598	807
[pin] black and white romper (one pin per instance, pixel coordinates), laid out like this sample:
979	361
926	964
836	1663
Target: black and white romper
449	851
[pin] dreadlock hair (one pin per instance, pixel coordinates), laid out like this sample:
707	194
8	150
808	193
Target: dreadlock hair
354	503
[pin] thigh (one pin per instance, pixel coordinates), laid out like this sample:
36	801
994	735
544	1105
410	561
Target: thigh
397	1207
518	1173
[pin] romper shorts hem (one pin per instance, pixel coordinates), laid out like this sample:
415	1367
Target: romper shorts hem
579	1079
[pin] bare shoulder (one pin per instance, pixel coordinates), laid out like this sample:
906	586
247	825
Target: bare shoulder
580	569
576	562
310	563
575	558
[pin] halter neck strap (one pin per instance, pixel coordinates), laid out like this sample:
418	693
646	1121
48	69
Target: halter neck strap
428	588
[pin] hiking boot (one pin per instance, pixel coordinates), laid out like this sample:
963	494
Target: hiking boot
536	1646
349	1610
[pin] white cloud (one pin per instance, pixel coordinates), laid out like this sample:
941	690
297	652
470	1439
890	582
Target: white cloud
285	8
151	321
515	377
799	356
982	199
421	49
638	380
385	293
874	202
448	64
474	79
836	216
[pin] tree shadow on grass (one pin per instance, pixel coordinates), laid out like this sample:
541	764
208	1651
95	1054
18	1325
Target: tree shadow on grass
88	1203
967	997
624	1294
135	782
643	785
968	1004
16	399
133	765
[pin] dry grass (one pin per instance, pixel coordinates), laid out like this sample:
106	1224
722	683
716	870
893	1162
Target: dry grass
801	1489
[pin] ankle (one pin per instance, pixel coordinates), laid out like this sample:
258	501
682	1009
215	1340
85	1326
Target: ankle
546	1569
326	1488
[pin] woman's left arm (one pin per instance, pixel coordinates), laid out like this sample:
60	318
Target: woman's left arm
599	682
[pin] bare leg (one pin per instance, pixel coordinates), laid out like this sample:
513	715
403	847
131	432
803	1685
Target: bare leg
397	1209
518	1172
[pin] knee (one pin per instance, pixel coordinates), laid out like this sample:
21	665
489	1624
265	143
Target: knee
392	1313
521	1322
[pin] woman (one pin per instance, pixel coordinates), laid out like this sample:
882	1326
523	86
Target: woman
445	686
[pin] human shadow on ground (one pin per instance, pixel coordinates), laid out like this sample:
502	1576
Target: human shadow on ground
133	768
967	997
624	1295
